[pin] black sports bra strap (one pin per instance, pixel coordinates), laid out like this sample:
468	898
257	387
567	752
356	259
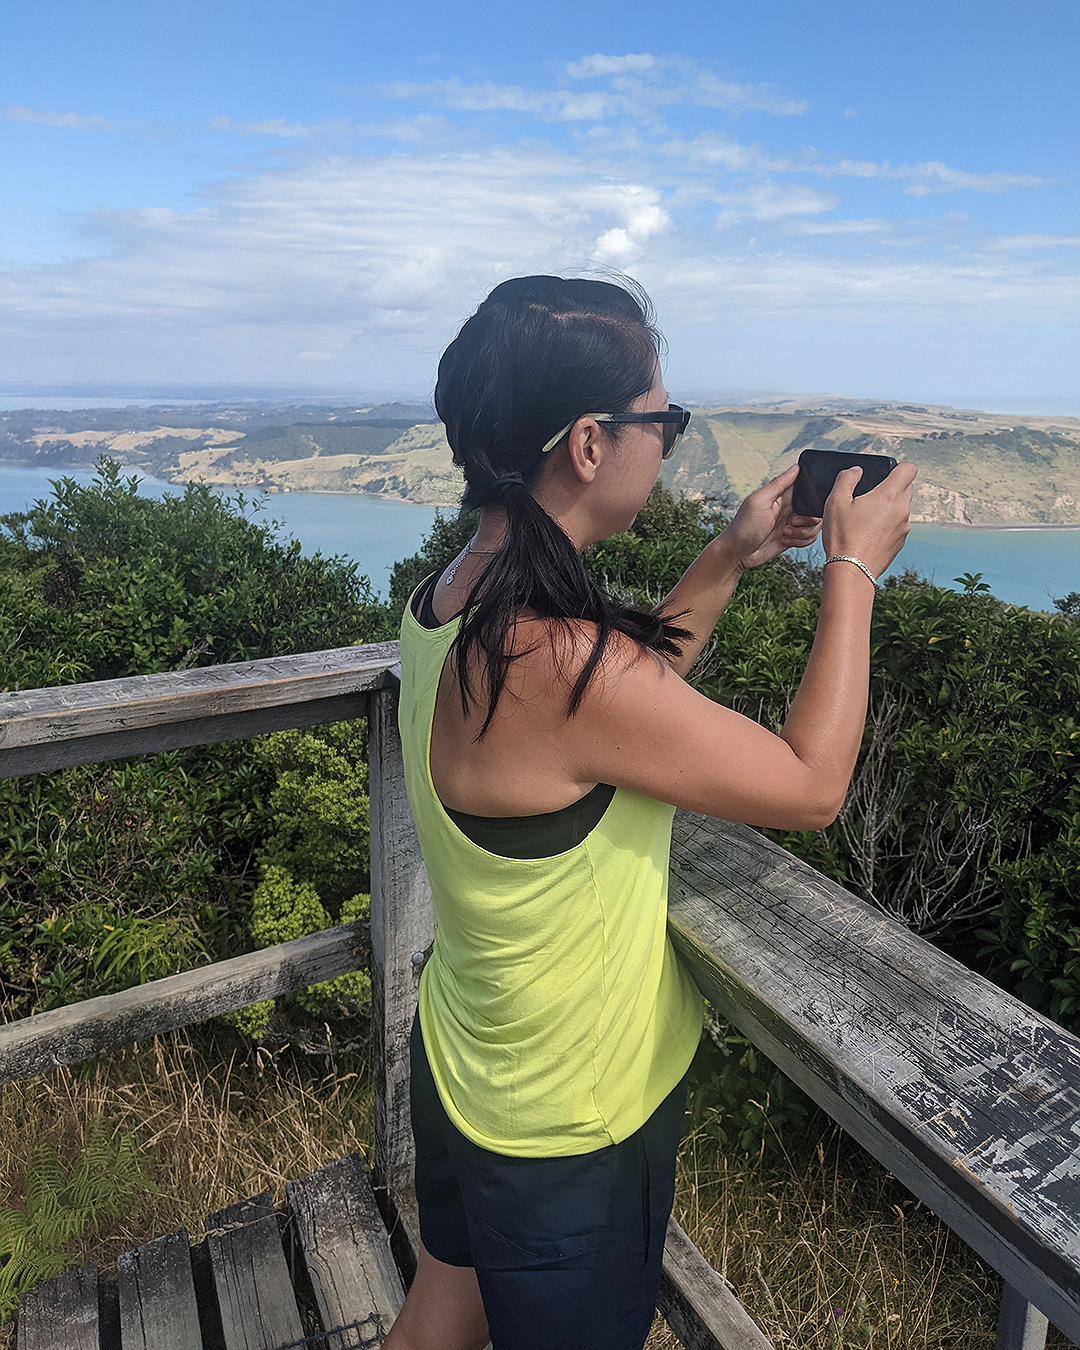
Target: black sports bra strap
423	610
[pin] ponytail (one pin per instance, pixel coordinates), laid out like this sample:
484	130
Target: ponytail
539	353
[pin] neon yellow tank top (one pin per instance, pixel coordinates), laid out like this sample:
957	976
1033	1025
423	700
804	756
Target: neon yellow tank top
555	1014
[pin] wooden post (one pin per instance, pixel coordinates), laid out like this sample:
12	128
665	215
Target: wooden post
1021	1326
402	930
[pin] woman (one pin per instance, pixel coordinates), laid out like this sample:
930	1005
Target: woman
548	735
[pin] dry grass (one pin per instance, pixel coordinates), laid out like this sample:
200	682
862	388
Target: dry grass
824	1248
827	1250
212	1132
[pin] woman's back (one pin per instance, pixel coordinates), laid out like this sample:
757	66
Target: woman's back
555	1015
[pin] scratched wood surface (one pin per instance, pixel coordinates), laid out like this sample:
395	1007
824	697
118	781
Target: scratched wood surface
254	1288
54	728
61	1314
158	1310
345	1249
964	1093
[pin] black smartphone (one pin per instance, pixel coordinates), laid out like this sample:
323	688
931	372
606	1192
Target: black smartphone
818	470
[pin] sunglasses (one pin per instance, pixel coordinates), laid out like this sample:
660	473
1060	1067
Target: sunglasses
674	421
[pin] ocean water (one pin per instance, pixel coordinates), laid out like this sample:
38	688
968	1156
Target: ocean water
1029	567
1022	566
372	531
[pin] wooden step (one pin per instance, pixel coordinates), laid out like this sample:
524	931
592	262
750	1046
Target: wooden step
158	1310
254	1291
698	1304
61	1314
346	1252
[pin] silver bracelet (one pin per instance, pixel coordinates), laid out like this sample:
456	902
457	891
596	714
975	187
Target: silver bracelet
845	557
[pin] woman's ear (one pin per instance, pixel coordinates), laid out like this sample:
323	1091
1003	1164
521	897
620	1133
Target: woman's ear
586	448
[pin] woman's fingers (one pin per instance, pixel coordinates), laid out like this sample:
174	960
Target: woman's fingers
847	480
775	488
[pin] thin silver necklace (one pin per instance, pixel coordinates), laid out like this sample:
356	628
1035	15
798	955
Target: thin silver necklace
461	558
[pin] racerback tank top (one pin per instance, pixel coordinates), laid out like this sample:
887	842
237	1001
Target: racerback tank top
555	1014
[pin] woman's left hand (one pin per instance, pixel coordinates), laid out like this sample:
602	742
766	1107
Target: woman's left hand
764	527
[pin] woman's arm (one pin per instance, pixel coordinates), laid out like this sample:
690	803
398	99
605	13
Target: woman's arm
644	728
763	527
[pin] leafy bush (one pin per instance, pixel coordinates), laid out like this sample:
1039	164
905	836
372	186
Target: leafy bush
115	873
112	583
313	865
738	1098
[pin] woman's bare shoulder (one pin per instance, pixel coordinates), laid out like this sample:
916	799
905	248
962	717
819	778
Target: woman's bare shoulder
554	653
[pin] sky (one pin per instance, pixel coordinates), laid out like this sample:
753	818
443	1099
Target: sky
865	199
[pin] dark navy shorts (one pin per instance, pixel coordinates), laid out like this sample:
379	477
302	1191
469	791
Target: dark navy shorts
567	1251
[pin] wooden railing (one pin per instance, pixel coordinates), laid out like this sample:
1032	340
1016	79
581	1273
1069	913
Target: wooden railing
964	1093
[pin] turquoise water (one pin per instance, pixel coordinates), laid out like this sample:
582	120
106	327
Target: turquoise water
1024	567
371	531
1029	567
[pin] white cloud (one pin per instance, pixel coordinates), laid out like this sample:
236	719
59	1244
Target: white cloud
643	217
707	91
71	121
767	201
933	176
711	148
276	126
869	225
358	266
1030	241
922	179
423	129
702	288
370	261
634	87
591	66
567	105
373	252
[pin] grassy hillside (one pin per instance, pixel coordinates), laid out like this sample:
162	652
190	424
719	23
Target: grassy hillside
974	468
412	462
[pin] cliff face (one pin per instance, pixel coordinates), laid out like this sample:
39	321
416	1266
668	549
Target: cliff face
974	468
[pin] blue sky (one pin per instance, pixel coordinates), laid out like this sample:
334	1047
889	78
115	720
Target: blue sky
864	199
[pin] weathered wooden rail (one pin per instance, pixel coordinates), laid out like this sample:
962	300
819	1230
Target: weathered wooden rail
965	1094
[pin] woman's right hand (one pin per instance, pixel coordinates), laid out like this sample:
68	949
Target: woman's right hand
872	527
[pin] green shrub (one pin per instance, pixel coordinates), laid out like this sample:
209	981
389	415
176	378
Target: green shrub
284	909
114	873
738	1097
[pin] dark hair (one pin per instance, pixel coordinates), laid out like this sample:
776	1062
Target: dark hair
540	352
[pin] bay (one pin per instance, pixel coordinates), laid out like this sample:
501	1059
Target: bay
1028	567
373	532
1031	567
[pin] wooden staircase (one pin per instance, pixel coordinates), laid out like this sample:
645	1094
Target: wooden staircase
321	1275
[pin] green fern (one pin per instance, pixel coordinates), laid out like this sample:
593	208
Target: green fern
62	1204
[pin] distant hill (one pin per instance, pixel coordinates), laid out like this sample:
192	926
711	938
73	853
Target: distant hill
974	468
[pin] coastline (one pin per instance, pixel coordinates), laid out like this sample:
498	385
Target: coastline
60	467
961	525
